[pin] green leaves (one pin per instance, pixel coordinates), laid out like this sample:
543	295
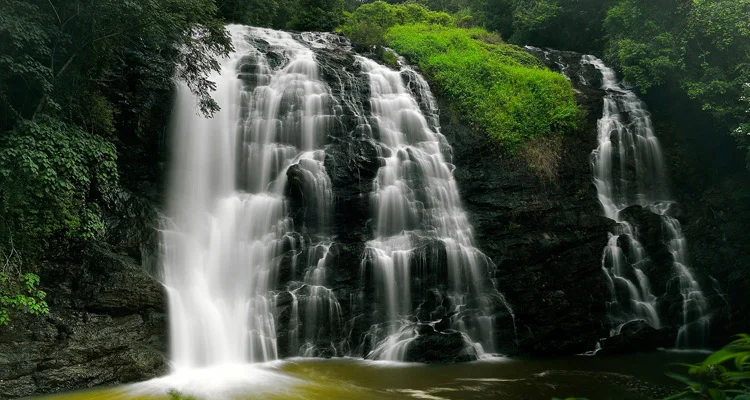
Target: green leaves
316	15
701	46
52	175
724	374
19	293
369	23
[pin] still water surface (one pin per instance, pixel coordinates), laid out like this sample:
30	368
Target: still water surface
637	376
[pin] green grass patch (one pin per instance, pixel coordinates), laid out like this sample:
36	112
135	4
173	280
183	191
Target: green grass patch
496	87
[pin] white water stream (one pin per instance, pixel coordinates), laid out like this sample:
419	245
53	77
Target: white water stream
628	169
227	212
230	236
415	199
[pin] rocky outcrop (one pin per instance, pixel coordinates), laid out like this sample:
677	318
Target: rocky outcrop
638	336
432	346
711	182
106	326
545	237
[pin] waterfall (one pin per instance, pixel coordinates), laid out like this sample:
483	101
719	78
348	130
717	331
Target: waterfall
417	210
249	241
629	170
255	263
227	214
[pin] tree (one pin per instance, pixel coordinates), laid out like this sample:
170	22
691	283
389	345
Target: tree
249	12
76	78
317	15
701	47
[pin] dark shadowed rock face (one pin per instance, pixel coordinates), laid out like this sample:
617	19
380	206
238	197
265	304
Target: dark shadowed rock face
439	347
638	336
106	326
711	184
545	237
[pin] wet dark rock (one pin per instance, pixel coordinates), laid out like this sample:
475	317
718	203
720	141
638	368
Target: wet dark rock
650	233
712	185
546	238
440	347
638	336
106	326
425	329
445	322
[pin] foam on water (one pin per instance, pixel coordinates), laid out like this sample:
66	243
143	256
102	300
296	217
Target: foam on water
225	381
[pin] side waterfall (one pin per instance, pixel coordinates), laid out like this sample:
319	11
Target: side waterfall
629	170
249	240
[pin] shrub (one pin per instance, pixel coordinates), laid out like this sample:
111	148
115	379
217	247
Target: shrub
19	293
52	175
53	178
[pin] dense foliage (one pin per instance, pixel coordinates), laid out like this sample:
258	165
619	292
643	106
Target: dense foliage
724	375
300	15
369	23
53	176
78	78
498	87
702	47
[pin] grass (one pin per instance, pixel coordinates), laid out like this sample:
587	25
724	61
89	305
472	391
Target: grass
493	86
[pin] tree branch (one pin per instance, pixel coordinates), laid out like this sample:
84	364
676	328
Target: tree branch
55	10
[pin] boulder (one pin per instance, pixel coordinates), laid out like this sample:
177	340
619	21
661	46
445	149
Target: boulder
440	347
638	336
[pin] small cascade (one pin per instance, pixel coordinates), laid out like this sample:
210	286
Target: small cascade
630	288
695	312
420	227
315	311
629	171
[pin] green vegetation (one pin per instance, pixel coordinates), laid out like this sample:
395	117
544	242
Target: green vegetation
78	79
300	15
369	23
20	295
498	88
724	375
702	47
54	175
694	54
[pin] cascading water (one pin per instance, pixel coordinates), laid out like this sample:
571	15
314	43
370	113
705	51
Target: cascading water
227	211
629	170
252	259
416	204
